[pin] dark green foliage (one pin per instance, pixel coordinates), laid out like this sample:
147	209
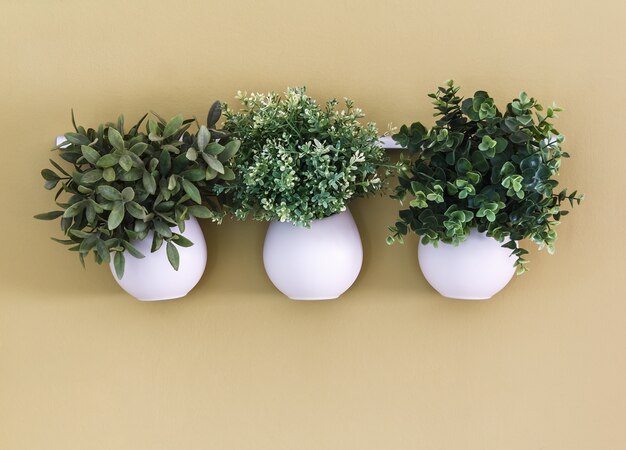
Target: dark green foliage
483	168
125	183
299	160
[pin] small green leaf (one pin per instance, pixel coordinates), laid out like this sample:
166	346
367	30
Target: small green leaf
109	174
128	194
64	241
192	191
171	148
157	241
172	183
519	137
108	160
164	206
487	144
116	216
230	150
214	114
109	193
91	155
195	174
139	148
49	175
201	212
228	174
463	166
162	229
88	243
507	169
132	250
92	176
136	210
80	234
214	148
149	183
95	206
75	209
133	174
153	127
102	251
501	144
120	123
213	163
49	215
165	162
181	241
173	126
203	138
116	139
76	138
172	255
90	214
84	189
192	154
126	163
119	262
210	173
50	184
473	177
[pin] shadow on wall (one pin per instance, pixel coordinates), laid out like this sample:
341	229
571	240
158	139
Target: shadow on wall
373	217
235	257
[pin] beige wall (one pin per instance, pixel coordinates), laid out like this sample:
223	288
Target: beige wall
235	365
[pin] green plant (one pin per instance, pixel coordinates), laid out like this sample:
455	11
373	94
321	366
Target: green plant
300	161
124	184
479	167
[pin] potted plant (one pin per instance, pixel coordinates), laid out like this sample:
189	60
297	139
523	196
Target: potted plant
132	198
479	181
299	166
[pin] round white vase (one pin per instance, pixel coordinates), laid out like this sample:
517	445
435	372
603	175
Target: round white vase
153	277
476	269
316	263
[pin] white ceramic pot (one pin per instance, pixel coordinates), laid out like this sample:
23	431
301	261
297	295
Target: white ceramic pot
316	263
153	278
476	269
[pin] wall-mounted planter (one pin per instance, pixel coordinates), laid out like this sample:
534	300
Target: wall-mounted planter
316	263
476	269
153	277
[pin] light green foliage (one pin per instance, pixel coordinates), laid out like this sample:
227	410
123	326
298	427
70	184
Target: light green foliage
300	161
479	167
122	184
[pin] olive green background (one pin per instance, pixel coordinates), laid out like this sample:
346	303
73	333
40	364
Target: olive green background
235	365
